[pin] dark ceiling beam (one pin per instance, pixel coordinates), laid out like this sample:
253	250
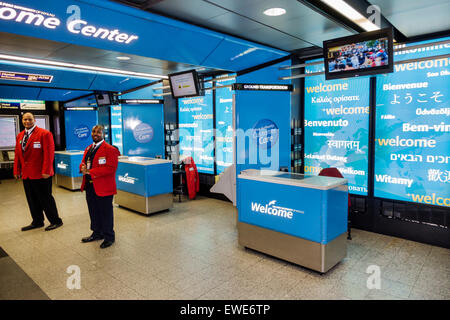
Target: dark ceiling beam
150	3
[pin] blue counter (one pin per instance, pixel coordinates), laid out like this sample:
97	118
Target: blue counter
302	219
144	184
67	169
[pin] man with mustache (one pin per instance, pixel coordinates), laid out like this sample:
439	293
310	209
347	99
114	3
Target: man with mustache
99	167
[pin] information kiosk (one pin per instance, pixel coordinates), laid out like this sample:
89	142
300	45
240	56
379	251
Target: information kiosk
67	169
298	218
144	184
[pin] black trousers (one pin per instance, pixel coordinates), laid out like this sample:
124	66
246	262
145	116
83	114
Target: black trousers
101	213
40	200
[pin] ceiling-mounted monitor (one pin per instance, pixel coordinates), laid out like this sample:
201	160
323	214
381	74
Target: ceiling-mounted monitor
363	54
184	84
103	99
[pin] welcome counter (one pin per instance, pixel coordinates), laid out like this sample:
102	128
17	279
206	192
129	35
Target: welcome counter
144	184
298	218
67	169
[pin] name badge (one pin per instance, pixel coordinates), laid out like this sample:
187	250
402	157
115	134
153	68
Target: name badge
102	160
88	164
37	145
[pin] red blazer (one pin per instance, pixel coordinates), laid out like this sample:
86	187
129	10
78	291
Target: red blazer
37	159
103	169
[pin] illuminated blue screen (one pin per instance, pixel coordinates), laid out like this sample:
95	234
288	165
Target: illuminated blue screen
224	125
336	127
196	130
412	139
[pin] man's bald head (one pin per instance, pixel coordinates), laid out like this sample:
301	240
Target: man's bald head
98	133
28	120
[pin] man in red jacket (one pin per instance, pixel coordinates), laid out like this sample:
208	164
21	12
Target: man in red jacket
33	163
99	167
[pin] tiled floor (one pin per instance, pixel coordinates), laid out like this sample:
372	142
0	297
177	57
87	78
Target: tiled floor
191	252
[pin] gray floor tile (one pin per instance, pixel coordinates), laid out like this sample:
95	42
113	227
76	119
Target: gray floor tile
191	252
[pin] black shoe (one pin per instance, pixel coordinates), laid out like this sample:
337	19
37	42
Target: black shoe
53	226
91	238
106	244
31	227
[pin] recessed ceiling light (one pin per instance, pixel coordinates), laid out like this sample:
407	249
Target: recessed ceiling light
123	58
273	12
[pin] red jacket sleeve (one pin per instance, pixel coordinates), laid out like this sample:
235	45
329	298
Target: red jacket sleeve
48	153
110	167
17	164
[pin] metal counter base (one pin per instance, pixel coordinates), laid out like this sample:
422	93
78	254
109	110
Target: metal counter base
146	205
71	183
309	254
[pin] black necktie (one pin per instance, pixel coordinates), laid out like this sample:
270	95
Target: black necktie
25	139
90	153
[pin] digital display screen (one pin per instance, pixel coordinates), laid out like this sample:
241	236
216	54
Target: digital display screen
8	132
103	99
412	131
337	127
196	130
224	125
362	54
184	84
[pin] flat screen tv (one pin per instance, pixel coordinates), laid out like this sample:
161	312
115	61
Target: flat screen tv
103	99
9	129
363	54
184	84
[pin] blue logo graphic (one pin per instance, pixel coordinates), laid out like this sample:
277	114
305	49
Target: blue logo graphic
143	133
265	132
81	132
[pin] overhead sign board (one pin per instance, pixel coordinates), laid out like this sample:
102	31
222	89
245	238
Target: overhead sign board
17	76
22	104
262	87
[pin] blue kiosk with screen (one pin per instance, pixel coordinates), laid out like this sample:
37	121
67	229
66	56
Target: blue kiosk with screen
144	184
67	169
298	218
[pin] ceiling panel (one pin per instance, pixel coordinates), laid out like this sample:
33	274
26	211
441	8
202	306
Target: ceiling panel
418	17
198	10
300	27
60	95
16	92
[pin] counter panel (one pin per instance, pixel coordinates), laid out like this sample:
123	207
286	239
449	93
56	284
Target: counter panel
146	180
312	214
68	164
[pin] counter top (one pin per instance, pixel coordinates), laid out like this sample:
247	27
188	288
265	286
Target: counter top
292	179
70	152
144	161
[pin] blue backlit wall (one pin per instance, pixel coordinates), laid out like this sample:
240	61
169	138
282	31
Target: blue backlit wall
263	132
78	124
103	114
224	125
116	127
412	137
337	126
143	130
196	132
